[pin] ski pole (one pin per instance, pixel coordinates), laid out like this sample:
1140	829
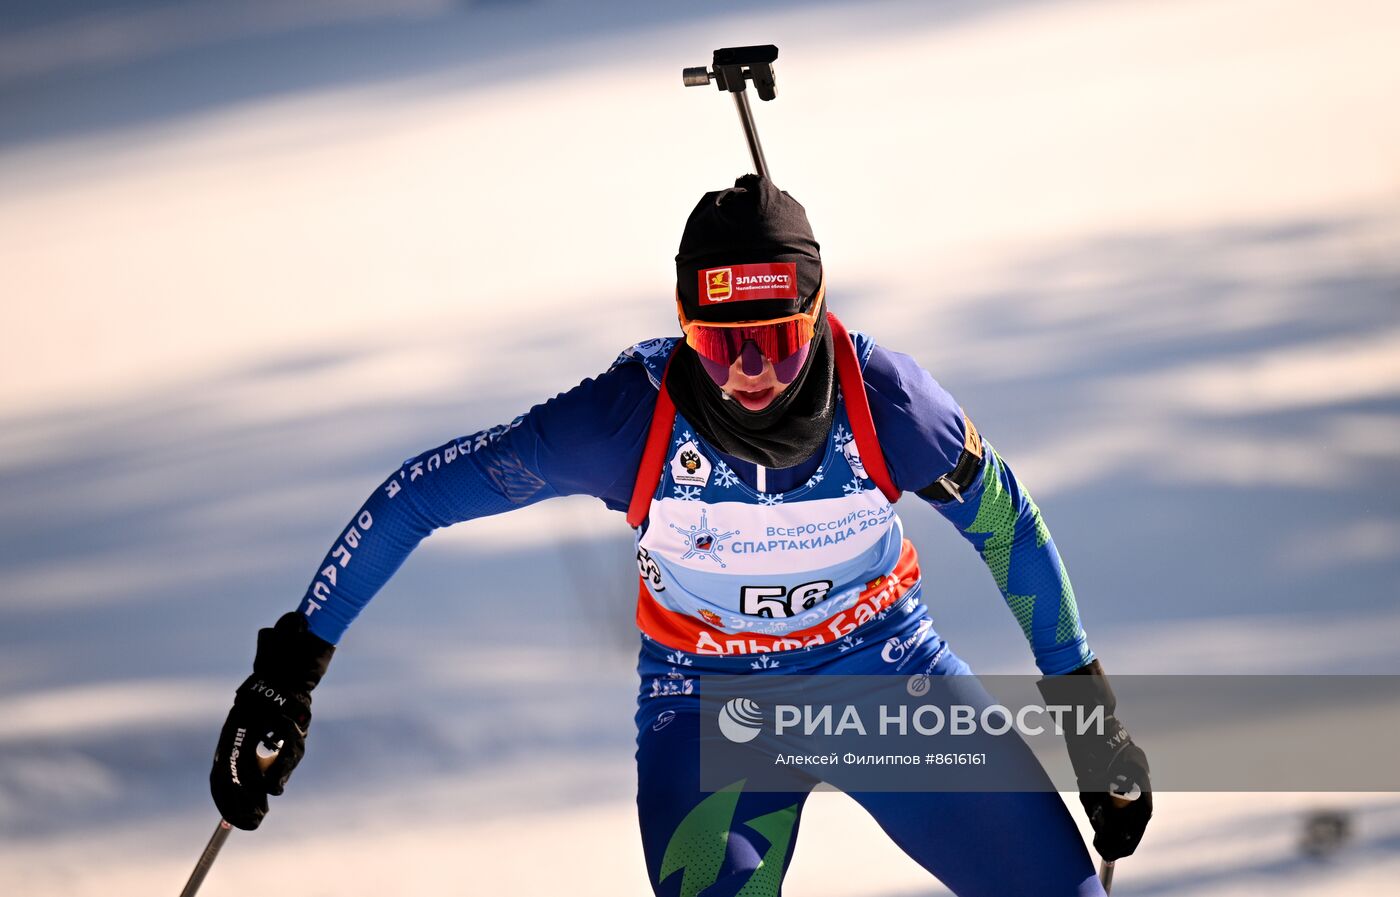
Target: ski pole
206	859
732	68
266	753
1106	875
1106	866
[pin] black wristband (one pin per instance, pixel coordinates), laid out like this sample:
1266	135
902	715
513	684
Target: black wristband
289	664
1093	751
1086	686
290	656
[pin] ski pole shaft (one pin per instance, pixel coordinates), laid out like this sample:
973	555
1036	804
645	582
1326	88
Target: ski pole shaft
741	102
1106	866
266	752
206	859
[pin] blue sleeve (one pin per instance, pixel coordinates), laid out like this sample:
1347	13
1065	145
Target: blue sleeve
587	441
920	426
922	432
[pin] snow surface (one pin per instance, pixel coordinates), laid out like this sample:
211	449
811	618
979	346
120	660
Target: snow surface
254	255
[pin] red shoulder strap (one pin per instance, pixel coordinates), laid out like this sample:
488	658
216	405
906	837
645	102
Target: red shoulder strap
848	374
663	418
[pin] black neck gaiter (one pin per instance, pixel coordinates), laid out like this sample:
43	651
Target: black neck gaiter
790	430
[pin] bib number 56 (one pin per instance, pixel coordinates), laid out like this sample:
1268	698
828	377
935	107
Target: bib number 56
777	601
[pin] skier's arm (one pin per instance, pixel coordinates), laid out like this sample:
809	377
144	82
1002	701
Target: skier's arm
585	441
1001	520
925	436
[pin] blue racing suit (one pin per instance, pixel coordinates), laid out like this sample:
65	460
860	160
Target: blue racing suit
748	569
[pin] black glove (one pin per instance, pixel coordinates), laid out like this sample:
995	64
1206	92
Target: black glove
1107	765
271	711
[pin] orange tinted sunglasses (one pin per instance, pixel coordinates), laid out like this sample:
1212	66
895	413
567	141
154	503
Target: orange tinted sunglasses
776	338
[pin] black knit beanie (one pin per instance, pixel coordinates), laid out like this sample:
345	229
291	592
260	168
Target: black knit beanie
752	223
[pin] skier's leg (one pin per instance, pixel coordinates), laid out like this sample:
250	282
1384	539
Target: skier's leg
988	844
728	843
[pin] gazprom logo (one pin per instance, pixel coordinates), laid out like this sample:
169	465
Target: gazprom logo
740	720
